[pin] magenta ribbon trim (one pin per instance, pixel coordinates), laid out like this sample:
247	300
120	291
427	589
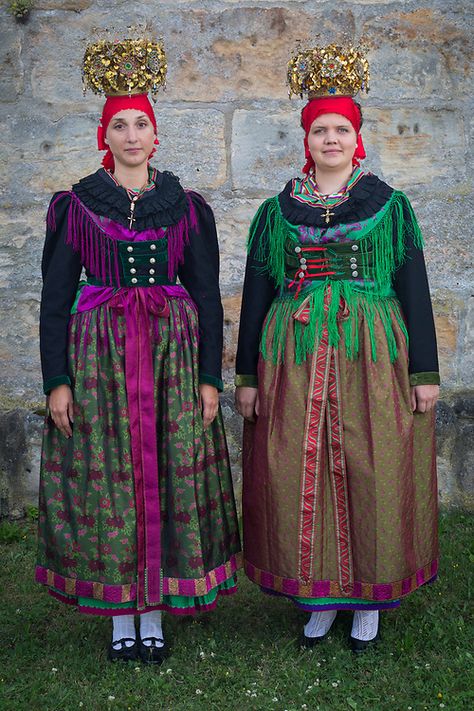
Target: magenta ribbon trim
135	304
115	593
361	590
127	611
92	296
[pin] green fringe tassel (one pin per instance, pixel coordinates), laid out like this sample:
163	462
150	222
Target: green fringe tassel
389	233
307	336
269	221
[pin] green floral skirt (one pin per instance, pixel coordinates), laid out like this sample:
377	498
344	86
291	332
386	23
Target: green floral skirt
137	509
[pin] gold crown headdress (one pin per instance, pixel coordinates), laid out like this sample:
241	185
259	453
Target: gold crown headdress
335	70
123	67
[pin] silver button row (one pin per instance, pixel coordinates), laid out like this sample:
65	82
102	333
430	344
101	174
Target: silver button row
152	247
134	280
355	248
134	271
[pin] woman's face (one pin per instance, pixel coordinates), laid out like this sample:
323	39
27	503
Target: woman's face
332	141
130	136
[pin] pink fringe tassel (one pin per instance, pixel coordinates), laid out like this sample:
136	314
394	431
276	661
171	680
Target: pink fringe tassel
99	252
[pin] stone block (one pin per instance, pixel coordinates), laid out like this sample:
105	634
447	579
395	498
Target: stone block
448	308
20	376
423	74
12	74
74	5
56	44
21	246
410	146
436	45
243	52
466	350
445	216
20	445
231	329
213	53
192	145
45	155
267	149
455	439
233	218
233	428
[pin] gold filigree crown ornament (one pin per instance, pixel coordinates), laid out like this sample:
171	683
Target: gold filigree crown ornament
334	70
123	67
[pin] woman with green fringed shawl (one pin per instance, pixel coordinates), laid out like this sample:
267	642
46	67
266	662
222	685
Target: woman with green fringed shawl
337	379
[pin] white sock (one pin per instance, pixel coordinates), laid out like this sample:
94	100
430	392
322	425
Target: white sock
123	626
150	626
365	625
320	623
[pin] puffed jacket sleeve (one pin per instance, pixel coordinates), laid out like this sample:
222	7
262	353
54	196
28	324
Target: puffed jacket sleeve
199	274
411	286
61	269
258	293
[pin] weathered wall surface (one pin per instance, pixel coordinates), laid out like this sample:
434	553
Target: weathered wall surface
227	129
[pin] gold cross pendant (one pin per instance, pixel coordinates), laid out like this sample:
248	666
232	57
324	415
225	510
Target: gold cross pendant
328	216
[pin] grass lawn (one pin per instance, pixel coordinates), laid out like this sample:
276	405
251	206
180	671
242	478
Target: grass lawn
245	654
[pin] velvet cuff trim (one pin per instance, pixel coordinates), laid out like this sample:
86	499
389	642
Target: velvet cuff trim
211	380
429	378
246	381
51	383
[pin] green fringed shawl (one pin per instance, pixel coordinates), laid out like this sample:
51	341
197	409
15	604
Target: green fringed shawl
388	232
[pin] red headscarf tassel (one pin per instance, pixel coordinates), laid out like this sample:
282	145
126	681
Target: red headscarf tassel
343	105
114	104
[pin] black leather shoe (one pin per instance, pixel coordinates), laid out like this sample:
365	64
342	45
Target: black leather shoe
123	653
153	654
359	646
310	642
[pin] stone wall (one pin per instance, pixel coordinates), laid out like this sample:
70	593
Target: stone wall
227	129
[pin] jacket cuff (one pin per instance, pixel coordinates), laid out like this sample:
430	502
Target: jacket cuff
429	378
211	380
246	381
48	385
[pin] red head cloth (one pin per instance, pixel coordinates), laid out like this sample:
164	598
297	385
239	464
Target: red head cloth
112	106
342	105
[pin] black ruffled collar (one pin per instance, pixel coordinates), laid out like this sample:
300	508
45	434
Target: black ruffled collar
366	198
161	207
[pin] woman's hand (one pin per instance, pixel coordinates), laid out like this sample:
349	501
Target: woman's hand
209	403
246	402
60	404
424	397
